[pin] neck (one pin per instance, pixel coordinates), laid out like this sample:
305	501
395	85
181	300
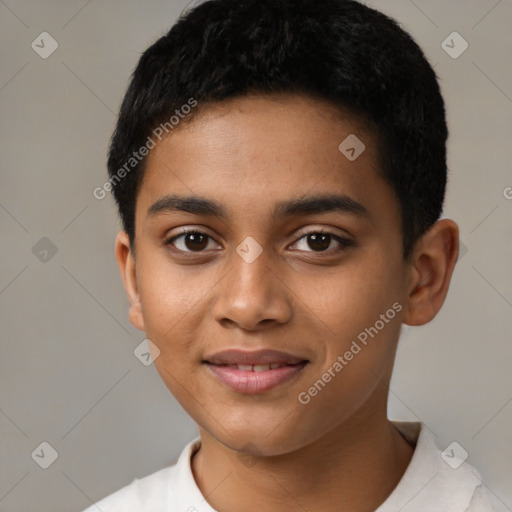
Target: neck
354	467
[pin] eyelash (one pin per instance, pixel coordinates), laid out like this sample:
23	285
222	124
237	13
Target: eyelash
344	243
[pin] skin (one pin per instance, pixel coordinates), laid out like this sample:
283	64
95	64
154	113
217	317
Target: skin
269	451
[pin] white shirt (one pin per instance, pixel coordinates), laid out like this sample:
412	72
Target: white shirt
429	484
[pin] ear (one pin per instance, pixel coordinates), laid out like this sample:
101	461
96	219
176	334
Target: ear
431	269
126	261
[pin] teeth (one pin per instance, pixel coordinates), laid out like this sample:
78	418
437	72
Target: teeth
261	367
258	367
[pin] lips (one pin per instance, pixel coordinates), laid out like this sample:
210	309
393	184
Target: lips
254	372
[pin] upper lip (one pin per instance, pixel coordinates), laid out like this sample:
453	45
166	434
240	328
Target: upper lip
257	357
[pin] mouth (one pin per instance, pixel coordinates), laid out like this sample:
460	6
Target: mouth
254	372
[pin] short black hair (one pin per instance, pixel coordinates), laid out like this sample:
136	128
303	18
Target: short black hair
339	50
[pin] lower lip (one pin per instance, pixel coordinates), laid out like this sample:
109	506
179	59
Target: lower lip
250	382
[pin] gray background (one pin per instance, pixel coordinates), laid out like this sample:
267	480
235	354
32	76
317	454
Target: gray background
68	373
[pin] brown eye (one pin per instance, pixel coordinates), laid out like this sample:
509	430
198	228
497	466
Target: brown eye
195	241
319	241
323	242
192	241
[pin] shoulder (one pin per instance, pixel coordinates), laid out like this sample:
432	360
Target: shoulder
483	500
138	494
437	480
154	492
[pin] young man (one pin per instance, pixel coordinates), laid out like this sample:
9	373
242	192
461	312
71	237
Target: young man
280	168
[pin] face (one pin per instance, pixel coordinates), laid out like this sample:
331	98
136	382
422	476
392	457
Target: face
254	234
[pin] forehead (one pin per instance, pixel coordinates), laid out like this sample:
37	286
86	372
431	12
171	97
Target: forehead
255	151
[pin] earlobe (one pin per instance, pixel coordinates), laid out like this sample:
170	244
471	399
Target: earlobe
432	267
126	261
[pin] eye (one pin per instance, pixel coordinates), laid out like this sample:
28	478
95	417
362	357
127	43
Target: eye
321	241
191	241
316	241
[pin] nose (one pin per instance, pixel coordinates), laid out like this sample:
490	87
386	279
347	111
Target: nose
253	296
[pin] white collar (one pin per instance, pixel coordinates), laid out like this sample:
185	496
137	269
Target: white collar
428	483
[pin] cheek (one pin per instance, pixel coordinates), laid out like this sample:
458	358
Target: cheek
357	317
166	307
168	294
350	298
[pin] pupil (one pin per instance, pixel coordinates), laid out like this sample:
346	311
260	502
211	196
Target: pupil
195	241
319	242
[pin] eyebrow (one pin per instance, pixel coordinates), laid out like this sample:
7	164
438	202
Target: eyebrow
302	206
